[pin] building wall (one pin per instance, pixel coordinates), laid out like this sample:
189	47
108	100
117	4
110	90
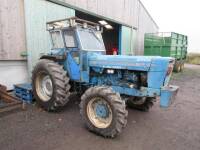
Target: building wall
13	72
13	67
145	25
37	13
111	9
12	30
15	36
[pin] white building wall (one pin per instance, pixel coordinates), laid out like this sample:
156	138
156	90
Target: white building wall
13	72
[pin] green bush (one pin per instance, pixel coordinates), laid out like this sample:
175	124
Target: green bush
193	58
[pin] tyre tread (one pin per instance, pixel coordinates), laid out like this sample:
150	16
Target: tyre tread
117	103
61	81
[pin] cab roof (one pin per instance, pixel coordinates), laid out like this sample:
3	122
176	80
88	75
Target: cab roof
71	22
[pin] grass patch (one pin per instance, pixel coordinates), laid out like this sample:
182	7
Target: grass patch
193	58
187	72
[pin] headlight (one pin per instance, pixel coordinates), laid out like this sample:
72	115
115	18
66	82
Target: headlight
110	71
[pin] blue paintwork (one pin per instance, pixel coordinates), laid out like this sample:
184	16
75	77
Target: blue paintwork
24	92
143	92
167	95
92	67
57	52
157	73
102	110
156	79
120	62
72	68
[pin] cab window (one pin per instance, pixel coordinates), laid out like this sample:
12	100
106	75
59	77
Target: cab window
70	39
57	41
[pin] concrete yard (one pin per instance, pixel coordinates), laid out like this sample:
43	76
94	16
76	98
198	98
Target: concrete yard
177	128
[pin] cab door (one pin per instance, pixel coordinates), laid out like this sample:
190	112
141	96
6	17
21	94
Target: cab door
72	62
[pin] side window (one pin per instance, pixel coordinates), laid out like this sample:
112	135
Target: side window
57	40
70	39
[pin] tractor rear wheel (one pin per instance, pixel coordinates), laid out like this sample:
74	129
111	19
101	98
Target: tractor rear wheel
50	85
103	111
140	103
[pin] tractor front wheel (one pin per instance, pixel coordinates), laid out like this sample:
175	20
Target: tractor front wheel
50	85
140	103
103	111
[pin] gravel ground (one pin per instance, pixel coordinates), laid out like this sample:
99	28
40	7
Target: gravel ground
176	128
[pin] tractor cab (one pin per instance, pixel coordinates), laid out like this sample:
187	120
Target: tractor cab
76	37
76	34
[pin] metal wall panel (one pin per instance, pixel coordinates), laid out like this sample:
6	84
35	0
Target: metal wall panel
119	10
12	29
145	25
37	13
124	11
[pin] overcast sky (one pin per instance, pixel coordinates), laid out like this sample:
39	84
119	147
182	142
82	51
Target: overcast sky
182	16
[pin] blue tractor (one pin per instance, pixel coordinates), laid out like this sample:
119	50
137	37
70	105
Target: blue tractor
77	64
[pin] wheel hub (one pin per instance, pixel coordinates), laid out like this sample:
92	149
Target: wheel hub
99	112
47	85
44	86
102	111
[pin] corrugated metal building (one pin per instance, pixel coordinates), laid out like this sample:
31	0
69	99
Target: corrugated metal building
23	29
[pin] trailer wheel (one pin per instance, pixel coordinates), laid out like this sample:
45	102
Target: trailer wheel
50	85
103	111
182	67
142	104
177	67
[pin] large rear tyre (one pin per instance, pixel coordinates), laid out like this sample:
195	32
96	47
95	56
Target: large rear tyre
50	85
140	103
103	111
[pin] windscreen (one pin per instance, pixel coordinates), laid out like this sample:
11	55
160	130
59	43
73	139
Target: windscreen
70	38
57	40
91	40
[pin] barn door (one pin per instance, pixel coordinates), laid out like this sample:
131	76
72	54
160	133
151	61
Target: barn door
127	39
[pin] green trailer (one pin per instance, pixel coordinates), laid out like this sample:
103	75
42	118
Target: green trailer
167	44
